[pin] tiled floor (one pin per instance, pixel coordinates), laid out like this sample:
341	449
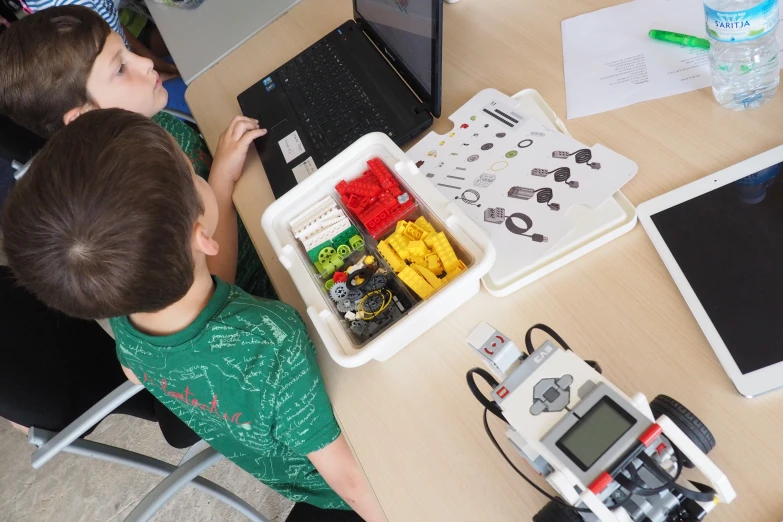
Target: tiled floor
73	488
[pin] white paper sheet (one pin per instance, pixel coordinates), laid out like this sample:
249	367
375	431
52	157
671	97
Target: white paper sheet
516	177
611	62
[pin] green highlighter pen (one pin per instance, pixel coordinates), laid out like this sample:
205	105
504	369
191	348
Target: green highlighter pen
681	39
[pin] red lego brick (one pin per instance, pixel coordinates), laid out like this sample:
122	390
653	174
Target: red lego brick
380	171
359	188
372	197
340	277
340	187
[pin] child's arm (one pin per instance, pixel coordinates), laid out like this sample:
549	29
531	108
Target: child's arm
340	470
226	171
130	375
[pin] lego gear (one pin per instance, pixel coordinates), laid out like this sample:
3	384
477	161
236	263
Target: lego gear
377	282
354	294
326	254
338	292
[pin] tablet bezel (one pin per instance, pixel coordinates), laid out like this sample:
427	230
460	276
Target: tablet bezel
750	384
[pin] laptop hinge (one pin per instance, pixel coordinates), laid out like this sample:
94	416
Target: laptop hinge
421	108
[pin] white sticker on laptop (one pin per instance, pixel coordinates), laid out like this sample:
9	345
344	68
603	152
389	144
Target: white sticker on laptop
291	147
304	169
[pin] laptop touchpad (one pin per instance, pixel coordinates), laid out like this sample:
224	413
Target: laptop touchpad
273	115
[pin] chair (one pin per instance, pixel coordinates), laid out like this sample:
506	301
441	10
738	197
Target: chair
197	459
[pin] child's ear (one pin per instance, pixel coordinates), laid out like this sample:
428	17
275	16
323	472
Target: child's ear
70	116
203	242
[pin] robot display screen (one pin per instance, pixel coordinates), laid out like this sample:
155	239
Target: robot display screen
597	431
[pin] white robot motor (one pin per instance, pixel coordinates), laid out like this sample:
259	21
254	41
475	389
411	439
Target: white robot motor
610	457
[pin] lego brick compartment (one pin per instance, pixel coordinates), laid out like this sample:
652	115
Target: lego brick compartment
375	251
378	255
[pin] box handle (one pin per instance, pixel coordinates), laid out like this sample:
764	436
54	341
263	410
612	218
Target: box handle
323	322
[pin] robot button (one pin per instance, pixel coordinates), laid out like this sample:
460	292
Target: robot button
551	394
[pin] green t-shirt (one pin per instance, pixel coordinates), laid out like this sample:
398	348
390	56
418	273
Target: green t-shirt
244	377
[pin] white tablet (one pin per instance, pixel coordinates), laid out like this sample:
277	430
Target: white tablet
721	238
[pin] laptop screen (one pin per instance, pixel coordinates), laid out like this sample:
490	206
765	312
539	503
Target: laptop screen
409	33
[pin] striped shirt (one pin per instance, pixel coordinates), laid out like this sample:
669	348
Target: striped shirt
106	8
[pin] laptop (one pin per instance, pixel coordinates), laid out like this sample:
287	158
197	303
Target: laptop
380	72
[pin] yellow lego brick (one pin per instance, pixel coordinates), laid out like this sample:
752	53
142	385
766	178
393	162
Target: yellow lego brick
419	260
424	225
388	254
442	247
457	271
416	282
433	264
429	276
400	229
413	232
417	249
400	244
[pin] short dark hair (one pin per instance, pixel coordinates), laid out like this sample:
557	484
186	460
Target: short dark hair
101	224
45	61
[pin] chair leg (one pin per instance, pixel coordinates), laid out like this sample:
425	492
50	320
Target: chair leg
86	421
193	451
107	453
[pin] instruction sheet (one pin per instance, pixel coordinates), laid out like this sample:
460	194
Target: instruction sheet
517	177
611	62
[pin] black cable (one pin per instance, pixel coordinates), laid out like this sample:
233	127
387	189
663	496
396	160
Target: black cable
544	328
545	195
663	476
582	155
561	174
489	379
535	486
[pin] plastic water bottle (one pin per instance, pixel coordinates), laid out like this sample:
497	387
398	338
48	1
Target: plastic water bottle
743	51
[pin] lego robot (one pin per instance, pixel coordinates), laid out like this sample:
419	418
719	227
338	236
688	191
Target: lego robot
609	457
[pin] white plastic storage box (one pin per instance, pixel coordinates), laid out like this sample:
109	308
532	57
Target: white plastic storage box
471	244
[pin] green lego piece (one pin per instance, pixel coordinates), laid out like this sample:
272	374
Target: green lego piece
356	242
329	284
313	252
344	237
343	251
321	269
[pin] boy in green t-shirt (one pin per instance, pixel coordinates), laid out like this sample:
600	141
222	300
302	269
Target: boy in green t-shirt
111	221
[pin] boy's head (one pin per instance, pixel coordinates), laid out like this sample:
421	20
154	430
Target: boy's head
110	220
64	61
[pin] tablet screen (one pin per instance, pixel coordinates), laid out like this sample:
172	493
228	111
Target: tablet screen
729	245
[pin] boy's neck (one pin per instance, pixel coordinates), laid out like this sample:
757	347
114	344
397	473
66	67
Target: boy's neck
181	314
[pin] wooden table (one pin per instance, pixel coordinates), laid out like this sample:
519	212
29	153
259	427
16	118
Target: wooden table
412	422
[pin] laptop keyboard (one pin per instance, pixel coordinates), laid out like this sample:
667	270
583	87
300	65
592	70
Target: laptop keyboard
334	109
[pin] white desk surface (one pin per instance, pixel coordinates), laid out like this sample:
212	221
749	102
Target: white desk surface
199	38
411	421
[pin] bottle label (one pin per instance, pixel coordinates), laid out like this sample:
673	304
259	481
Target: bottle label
740	26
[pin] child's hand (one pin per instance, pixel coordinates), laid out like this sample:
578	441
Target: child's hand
232	147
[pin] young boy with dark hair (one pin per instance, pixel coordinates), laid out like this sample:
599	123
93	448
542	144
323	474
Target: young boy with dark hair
111	221
62	62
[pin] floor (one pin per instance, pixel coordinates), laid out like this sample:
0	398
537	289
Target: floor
72	488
